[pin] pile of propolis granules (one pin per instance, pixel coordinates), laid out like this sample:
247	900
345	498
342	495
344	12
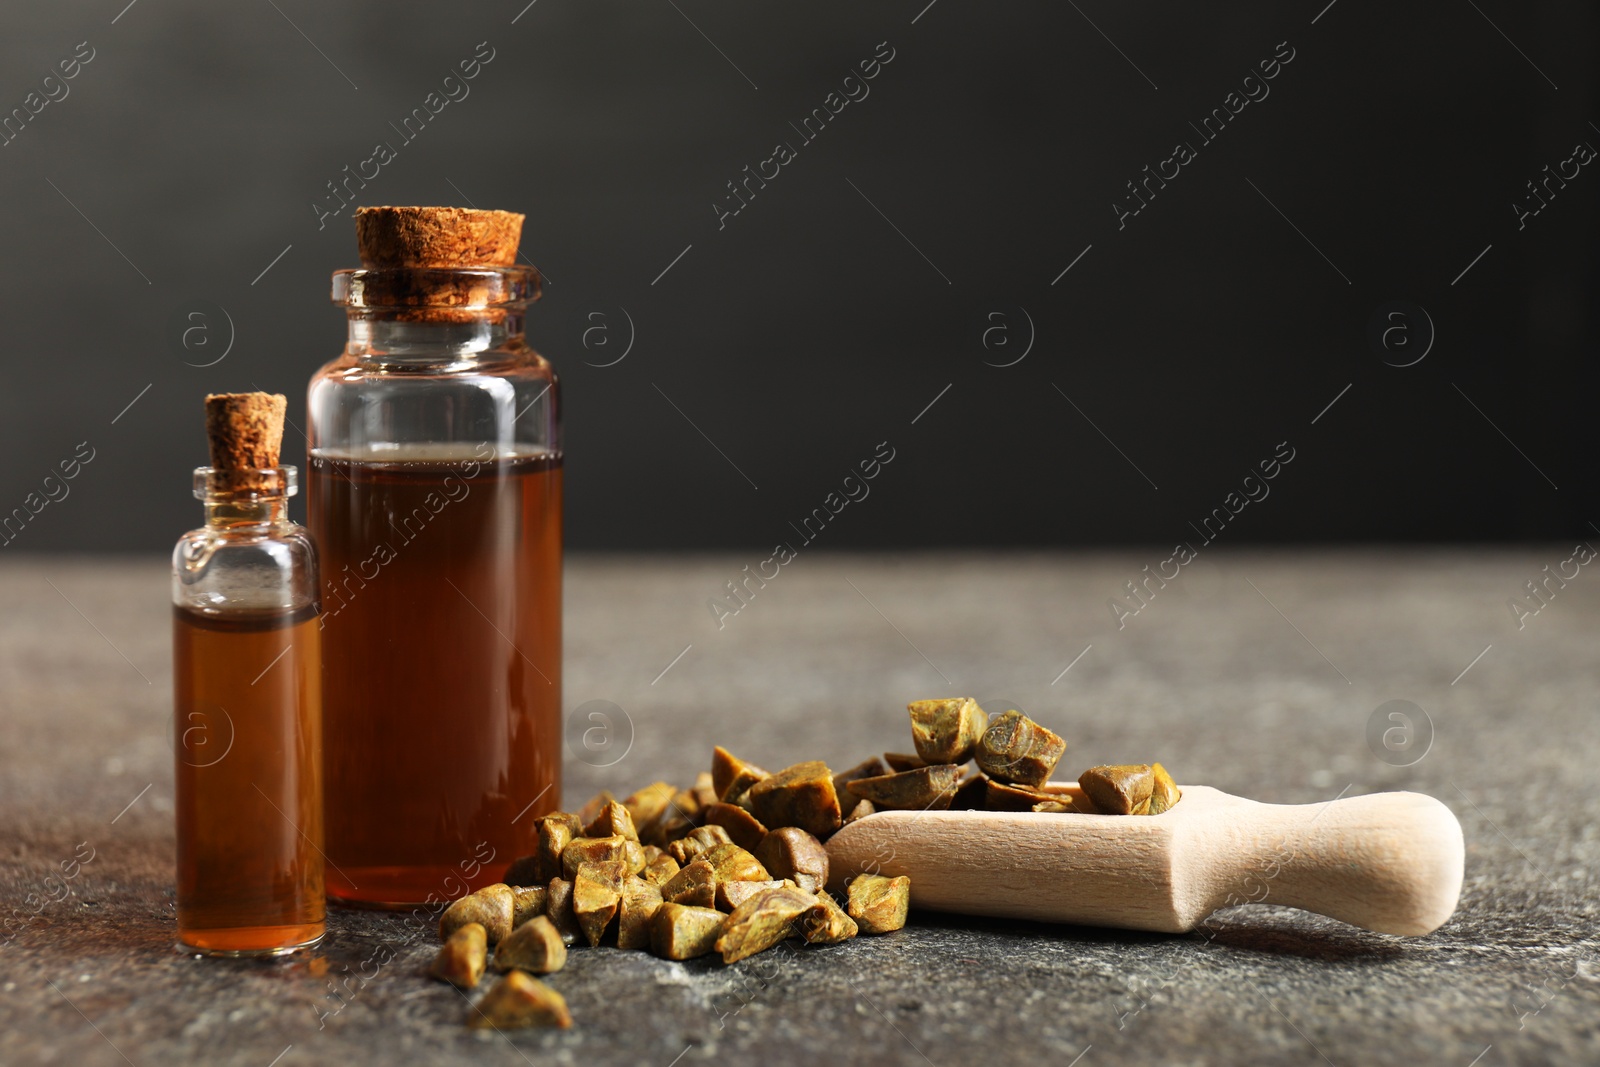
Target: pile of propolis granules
736	864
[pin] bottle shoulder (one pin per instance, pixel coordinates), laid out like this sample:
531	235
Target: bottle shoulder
267	566
518	362
281	548
245	535
514	404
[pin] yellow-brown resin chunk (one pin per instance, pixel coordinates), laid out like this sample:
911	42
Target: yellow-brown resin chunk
517	1001
878	904
493	906
461	958
762	921
1014	748
535	946
1119	790
682	932
946	730
929	788
801	795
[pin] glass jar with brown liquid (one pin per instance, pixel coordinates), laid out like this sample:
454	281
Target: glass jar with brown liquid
435	500
247	721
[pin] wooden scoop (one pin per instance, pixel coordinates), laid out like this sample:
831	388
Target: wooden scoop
1390	862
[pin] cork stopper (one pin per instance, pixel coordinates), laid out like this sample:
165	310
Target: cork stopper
245	432
391	237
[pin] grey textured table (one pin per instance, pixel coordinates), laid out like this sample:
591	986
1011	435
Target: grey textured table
1257	673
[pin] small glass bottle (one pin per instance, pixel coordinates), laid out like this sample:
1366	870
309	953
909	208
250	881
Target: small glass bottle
434	493
247	712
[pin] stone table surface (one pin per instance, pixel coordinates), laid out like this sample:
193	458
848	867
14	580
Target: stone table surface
1256	672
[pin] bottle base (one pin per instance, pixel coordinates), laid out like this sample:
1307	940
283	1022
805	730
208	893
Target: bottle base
251	942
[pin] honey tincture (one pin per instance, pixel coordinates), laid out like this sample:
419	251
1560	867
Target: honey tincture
434	492
247	714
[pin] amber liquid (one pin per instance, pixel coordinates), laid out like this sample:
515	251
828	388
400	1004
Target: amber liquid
442	687
247	724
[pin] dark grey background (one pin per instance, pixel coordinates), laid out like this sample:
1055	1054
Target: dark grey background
860	284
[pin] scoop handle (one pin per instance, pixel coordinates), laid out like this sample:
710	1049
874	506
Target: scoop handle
1389	862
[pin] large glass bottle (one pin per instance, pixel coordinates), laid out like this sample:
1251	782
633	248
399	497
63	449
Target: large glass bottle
247	721
435	499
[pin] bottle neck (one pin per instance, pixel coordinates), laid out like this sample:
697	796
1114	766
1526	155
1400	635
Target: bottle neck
468	336
240	500
234	512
